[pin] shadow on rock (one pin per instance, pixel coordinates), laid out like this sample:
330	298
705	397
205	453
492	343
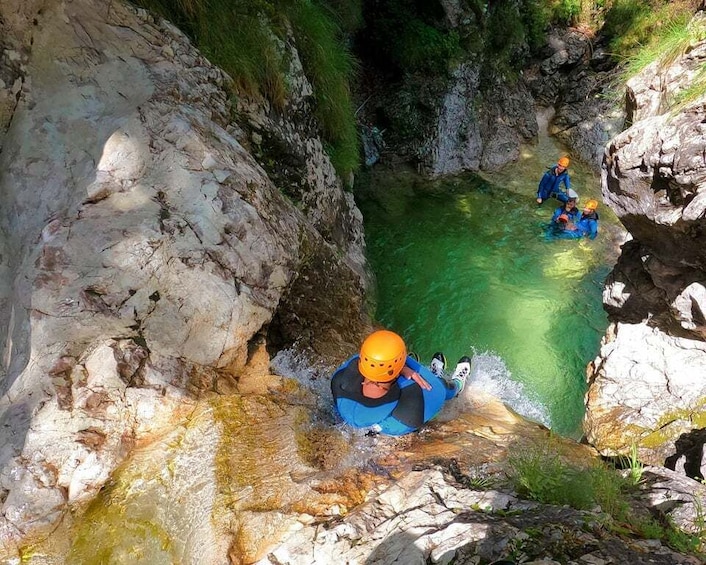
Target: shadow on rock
690	446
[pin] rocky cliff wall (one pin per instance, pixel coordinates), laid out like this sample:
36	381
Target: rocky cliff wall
144	252
648	384
481	127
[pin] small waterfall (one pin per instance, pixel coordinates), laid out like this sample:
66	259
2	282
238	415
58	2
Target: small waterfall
491	375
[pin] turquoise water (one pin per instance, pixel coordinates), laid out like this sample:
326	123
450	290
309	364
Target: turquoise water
463	266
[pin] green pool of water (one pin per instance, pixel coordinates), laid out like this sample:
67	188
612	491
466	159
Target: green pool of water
463	266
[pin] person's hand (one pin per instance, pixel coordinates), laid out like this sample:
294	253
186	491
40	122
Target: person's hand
539	200
417	378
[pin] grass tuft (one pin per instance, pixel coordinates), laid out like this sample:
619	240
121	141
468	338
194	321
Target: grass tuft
330	68
660	32
539	473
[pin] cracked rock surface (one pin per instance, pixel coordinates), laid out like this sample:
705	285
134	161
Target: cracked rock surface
143	248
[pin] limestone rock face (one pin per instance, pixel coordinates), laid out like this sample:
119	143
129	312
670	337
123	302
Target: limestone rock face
427	517
647	389
144	250
571	78
655	88
482	128
475	131
647	385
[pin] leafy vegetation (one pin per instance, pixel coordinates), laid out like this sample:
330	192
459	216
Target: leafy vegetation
541	474
415	44
329	67
641	33
402	36
253	56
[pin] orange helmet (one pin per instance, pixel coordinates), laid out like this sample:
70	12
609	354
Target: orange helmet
382	356
563	162
591	205
563	218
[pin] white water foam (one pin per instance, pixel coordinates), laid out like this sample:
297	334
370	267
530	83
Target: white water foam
317	379
490	374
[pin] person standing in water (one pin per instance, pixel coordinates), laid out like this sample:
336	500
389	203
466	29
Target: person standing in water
551	181
384	388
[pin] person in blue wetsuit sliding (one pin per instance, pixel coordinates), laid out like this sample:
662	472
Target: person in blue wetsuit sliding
384	388
551	181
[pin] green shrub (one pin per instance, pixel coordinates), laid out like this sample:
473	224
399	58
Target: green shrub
541	475
566	12
683	542
536	18
241	36
633	26
348	14
421	46
505	34
408	36
674	31
608	490
329	67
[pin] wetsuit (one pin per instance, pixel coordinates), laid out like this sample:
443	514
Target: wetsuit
403	409
574	214
550	182
586	226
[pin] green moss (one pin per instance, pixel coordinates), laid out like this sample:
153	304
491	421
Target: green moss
118	528
664	433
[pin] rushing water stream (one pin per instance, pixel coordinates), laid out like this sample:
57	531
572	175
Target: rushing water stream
463	266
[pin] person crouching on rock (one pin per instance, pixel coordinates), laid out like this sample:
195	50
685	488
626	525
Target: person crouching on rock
384	388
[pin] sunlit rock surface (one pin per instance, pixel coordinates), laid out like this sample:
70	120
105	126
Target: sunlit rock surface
653	91
144	251
450	502
476	131
647	385
666	396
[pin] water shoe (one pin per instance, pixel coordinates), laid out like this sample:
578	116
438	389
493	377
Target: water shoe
461	373
438	363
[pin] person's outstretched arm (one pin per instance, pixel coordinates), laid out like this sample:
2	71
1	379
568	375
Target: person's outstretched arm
542	188
416	377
